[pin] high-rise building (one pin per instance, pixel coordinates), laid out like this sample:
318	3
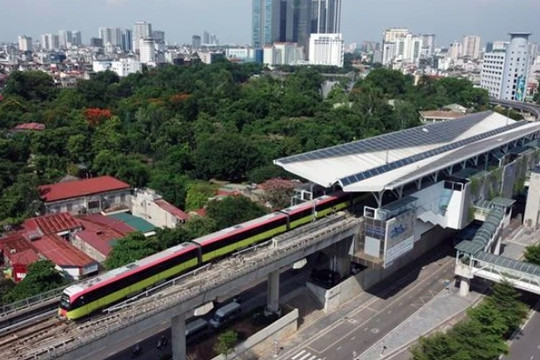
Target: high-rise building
127	40
471	46
214	40
206	37
456	50
505	71
294	22
158	36
96	42
264	19
76	38
50	42
25	43
141	30
147	51
326	16
326	49
428	45
65	38
489	47
111	36
396	44
196	41
391	35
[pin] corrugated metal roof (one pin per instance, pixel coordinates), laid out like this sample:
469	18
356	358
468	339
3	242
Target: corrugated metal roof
509	263
75	189
134	222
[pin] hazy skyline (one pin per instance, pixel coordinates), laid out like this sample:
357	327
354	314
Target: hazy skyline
230	20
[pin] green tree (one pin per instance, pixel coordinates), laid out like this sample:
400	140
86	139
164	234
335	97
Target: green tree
20	200
171	186
41	276
132	247
233	210
198	226
167	238
439	346
30	85
226	156
532	254
506	299
198	195
225	342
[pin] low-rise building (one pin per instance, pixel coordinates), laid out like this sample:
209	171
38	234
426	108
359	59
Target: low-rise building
438	115
85	196
149	205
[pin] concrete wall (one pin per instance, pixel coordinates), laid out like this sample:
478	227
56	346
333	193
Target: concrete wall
279	330
87	249
143	205
81	204
331	299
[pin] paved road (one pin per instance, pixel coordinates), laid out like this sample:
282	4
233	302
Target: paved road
254	295
366	324
526	345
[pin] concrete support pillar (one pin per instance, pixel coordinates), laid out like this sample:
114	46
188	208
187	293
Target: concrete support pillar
464	286
497	247
272	294
178	341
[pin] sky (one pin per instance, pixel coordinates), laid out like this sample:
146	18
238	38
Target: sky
230	20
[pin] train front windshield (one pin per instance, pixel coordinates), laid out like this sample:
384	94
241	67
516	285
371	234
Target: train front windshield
64	301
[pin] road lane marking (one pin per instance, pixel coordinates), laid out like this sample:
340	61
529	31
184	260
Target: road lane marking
297	355
450	262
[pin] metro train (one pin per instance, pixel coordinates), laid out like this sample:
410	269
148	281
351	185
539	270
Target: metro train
96	293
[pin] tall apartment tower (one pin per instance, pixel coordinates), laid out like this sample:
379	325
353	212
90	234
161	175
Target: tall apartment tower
326	16
76	38
428	45
505	71
65	38
141	30
127	40
111	35
471	46
147	49
158	36
25	43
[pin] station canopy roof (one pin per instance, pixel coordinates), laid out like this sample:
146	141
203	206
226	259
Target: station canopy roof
391	160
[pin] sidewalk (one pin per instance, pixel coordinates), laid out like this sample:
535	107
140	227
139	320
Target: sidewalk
437	314
447	305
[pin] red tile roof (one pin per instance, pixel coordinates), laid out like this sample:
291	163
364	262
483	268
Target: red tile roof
170	208
75	189
99	236
61	252
30	126
18	250
52	223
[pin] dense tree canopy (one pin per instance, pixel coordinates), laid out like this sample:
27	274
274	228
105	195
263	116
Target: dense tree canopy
482	335
175	127
41	276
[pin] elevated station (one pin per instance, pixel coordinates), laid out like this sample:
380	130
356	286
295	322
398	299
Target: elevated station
424	179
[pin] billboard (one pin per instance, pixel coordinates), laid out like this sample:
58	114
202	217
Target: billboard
399	237
520	88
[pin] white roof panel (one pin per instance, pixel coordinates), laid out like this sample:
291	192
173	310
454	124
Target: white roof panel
387	161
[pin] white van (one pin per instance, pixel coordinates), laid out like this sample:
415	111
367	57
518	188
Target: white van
224	314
